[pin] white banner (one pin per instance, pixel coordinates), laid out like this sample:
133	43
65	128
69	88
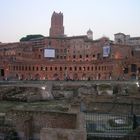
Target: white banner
49	53
106	51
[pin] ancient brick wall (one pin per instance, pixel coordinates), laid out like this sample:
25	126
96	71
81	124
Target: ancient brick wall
29	123
60	134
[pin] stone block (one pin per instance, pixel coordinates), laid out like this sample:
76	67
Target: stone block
62	134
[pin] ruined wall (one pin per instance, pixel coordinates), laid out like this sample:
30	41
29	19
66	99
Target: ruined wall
29	123
60	134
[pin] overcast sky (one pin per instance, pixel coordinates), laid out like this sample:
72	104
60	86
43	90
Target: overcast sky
19	18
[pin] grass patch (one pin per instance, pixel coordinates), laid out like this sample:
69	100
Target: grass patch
104	87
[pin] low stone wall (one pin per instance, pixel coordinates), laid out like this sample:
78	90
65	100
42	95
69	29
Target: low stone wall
61	134
30	123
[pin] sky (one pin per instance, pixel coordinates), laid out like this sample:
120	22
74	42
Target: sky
19	18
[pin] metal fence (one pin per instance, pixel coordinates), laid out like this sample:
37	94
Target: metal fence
103	126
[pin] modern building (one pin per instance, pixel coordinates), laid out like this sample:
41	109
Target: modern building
60	57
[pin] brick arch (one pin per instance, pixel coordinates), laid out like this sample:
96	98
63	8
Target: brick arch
55	76
84	76
37	77
22	77
17	76
75	76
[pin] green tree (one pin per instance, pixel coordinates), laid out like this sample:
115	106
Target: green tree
31	37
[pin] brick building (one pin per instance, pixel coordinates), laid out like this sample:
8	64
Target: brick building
57	28
58	57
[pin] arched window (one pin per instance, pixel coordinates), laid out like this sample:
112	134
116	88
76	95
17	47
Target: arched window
70	68
36	68
26	68
50	68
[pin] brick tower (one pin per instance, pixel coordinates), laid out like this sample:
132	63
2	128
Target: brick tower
57	28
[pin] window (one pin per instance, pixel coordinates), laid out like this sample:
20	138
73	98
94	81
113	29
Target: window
80	56
60	68
70	68
55	68
95	67
13	67
26	68
133	67
75	68
102	68
98	55
132	53
50	68
84	68
80	68
49	43
39	56
16	67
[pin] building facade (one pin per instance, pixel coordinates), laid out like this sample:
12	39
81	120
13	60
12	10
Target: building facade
121	38
58	57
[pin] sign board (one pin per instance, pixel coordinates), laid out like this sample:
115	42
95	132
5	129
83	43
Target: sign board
49	53
106	51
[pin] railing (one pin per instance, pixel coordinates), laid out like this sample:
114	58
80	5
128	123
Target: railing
101	126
